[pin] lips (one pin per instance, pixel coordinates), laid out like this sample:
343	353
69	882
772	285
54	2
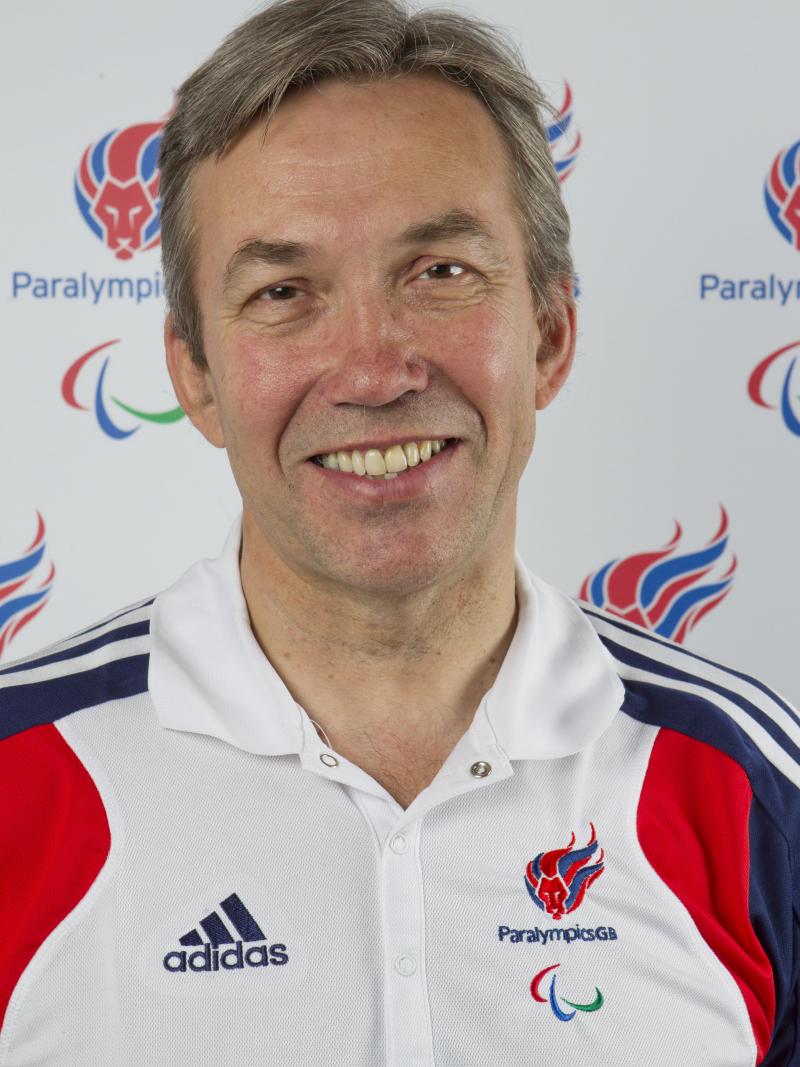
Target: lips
374	462
418	479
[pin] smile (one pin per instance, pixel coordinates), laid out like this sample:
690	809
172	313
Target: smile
383	464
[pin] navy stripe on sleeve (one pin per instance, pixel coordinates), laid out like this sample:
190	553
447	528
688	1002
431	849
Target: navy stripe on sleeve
135	629
45	701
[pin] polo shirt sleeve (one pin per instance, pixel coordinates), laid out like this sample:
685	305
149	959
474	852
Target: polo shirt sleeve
54	840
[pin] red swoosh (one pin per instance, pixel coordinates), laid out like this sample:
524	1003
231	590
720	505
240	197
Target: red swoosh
69	379
39	534
535	983
757	377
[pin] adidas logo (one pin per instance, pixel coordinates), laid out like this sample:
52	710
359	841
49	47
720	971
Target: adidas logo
211	957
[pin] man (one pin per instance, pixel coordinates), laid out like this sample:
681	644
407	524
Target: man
365	791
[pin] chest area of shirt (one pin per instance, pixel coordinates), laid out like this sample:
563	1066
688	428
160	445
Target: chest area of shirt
562	935
254	883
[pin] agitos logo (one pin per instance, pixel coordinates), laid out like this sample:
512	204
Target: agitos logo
563	139
116	187
558	1011
782	194
664	590
100	404
789	389
21	599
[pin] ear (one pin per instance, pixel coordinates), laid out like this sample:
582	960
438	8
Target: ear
556	351
193	385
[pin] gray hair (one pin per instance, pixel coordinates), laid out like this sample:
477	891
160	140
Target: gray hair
294	42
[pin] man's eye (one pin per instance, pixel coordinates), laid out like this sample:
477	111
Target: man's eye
277	293
444	266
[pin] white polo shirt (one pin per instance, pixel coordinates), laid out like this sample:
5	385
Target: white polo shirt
600	873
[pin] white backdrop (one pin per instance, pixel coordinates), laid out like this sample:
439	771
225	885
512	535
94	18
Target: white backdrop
681	109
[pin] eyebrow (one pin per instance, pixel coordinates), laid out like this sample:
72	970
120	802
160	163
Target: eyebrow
454	223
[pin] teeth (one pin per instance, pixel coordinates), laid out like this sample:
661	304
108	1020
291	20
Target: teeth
359	467
395	459
387	464
412	453
374	462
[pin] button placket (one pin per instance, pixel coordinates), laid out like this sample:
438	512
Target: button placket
408	1030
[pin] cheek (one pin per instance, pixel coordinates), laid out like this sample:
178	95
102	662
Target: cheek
492	362
260	388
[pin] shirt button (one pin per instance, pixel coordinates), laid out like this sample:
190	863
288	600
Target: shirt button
398	844
405	965
329	759
480	769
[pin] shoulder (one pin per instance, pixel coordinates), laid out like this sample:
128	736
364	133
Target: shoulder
105	661
55	830
667	685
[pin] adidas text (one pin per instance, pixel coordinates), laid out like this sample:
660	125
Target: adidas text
229	959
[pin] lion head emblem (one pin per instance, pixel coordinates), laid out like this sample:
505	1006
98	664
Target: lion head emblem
116	187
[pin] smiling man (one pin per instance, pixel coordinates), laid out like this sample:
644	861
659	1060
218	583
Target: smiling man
364	790
372	362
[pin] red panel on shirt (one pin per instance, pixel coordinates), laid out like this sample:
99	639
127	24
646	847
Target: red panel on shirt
693	826
54	839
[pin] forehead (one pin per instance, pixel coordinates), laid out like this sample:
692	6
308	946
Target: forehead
341	159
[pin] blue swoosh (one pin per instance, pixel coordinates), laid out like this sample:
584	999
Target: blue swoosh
106	425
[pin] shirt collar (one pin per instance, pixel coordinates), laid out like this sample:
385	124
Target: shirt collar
557	689
555	693
207	673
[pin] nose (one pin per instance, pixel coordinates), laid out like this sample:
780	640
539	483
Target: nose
376	358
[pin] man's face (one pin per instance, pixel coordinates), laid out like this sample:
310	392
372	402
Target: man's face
371	336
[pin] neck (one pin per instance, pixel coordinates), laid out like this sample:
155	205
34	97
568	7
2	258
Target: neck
383	670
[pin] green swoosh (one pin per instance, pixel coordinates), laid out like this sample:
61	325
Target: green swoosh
173	415
596	1003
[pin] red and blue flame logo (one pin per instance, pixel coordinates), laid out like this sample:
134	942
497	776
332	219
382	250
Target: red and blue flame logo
782	194
100	404
116	186
563	139
21	599
663	590
557	880
790	386
558	1011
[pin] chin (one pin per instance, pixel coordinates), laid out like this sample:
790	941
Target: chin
392	571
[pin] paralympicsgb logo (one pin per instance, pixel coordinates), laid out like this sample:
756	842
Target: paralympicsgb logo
782	194
664	590
557	880
116	187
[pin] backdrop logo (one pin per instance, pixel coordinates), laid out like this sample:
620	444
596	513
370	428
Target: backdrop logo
557	880
116	186
557	1010
21	599
663	590
782	194
790	388
100	404
563	138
